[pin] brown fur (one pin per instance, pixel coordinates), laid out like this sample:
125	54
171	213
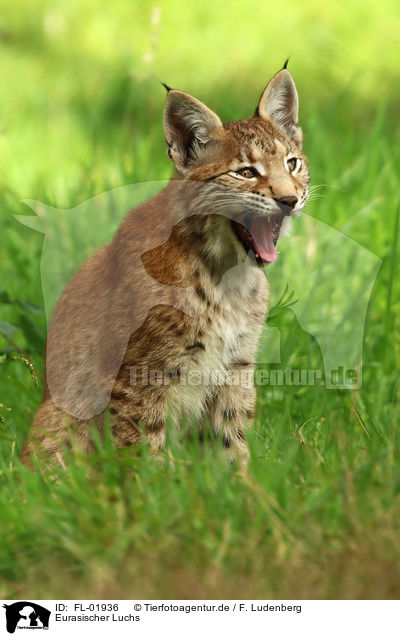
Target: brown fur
174	291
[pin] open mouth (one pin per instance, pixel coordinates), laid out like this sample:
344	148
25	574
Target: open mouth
259	235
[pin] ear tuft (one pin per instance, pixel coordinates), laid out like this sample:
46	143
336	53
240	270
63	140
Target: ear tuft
189	126
167	88
280	104
286	63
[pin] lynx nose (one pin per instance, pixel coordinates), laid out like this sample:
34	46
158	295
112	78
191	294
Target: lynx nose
290	201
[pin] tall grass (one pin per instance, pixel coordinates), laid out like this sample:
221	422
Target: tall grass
316	514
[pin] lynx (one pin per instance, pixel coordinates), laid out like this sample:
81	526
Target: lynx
180	292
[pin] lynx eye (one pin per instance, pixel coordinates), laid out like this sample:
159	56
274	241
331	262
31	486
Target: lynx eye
247	173
293	165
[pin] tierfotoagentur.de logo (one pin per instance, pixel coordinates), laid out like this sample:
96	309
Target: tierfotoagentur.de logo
26	615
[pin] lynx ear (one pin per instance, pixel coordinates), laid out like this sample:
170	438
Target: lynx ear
189	126
280	104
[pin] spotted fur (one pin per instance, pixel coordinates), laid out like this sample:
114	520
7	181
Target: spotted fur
195	305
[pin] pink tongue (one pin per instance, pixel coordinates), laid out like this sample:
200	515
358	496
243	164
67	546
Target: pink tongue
261	231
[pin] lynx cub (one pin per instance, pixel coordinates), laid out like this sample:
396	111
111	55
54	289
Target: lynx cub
180	289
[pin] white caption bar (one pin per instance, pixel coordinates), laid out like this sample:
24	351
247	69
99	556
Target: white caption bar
176	617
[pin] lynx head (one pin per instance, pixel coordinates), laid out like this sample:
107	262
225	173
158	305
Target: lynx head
256	173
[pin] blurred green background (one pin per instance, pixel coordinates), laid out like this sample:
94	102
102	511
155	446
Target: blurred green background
80	81
317	513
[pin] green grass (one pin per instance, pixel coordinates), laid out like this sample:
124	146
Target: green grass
316	514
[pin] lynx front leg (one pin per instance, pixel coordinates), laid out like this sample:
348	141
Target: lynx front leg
233	408
139	414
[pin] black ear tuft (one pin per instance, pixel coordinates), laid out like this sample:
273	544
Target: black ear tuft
286	63
167	88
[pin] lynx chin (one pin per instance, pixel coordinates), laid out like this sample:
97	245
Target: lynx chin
181	289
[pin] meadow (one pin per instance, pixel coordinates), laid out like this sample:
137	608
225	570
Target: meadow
316	514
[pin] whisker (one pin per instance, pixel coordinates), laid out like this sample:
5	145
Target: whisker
325	185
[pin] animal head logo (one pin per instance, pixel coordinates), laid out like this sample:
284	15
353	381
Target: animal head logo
318	269
26	615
